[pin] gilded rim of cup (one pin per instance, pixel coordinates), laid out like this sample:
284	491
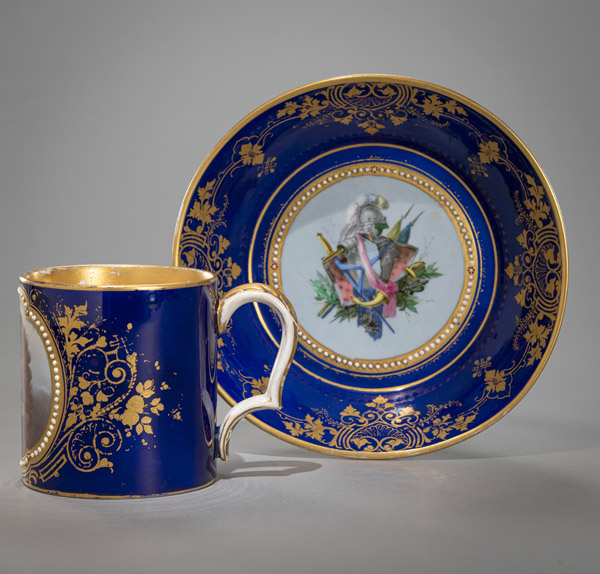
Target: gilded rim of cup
117	277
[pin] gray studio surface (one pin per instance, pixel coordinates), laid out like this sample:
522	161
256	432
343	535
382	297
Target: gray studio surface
107	110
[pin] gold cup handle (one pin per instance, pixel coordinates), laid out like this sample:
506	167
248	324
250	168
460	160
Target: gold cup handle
271	398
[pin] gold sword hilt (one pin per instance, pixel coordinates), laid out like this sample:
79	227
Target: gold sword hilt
410	269
331	253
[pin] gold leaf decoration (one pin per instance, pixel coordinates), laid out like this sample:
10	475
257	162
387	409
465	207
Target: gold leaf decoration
103	403
381	424
202	241
251	154
489	152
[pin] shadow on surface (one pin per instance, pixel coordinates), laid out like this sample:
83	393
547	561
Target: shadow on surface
236	467
521	437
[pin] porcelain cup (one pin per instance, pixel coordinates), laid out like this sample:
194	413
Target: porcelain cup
119	377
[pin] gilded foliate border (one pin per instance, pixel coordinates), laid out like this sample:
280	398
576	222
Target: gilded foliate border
105	403
379	425
372	106
538	269
203	243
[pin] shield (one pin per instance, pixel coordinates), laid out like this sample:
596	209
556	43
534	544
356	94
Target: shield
382	261
396	258
342	281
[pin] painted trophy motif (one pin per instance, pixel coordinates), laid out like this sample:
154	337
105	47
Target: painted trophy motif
372	275
419	244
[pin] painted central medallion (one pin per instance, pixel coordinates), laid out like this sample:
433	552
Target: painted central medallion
378	264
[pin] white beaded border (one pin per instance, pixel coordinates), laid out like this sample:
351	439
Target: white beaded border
469	251
57	378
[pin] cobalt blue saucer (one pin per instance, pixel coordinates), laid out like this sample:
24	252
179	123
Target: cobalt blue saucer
418	241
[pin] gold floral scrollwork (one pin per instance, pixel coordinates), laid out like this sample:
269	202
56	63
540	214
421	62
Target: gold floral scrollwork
91	444
139	409
379	426
251	154
537	269
202	247
497	382
202	243
382	426
372	106
105	404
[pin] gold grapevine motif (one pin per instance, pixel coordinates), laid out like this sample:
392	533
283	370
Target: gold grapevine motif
105	404
381	425
202	246
537	270
371	105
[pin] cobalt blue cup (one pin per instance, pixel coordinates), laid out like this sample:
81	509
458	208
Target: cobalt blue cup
119	378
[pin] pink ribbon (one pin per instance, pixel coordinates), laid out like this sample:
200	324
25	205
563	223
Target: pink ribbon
390	288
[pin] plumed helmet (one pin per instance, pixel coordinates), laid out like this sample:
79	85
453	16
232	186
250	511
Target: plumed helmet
369	217
363	214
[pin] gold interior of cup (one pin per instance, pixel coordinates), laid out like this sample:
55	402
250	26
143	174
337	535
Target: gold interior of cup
117	277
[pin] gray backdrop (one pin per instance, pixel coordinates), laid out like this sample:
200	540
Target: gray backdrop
106	111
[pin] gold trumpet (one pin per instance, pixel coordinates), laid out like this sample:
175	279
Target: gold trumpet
379	299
